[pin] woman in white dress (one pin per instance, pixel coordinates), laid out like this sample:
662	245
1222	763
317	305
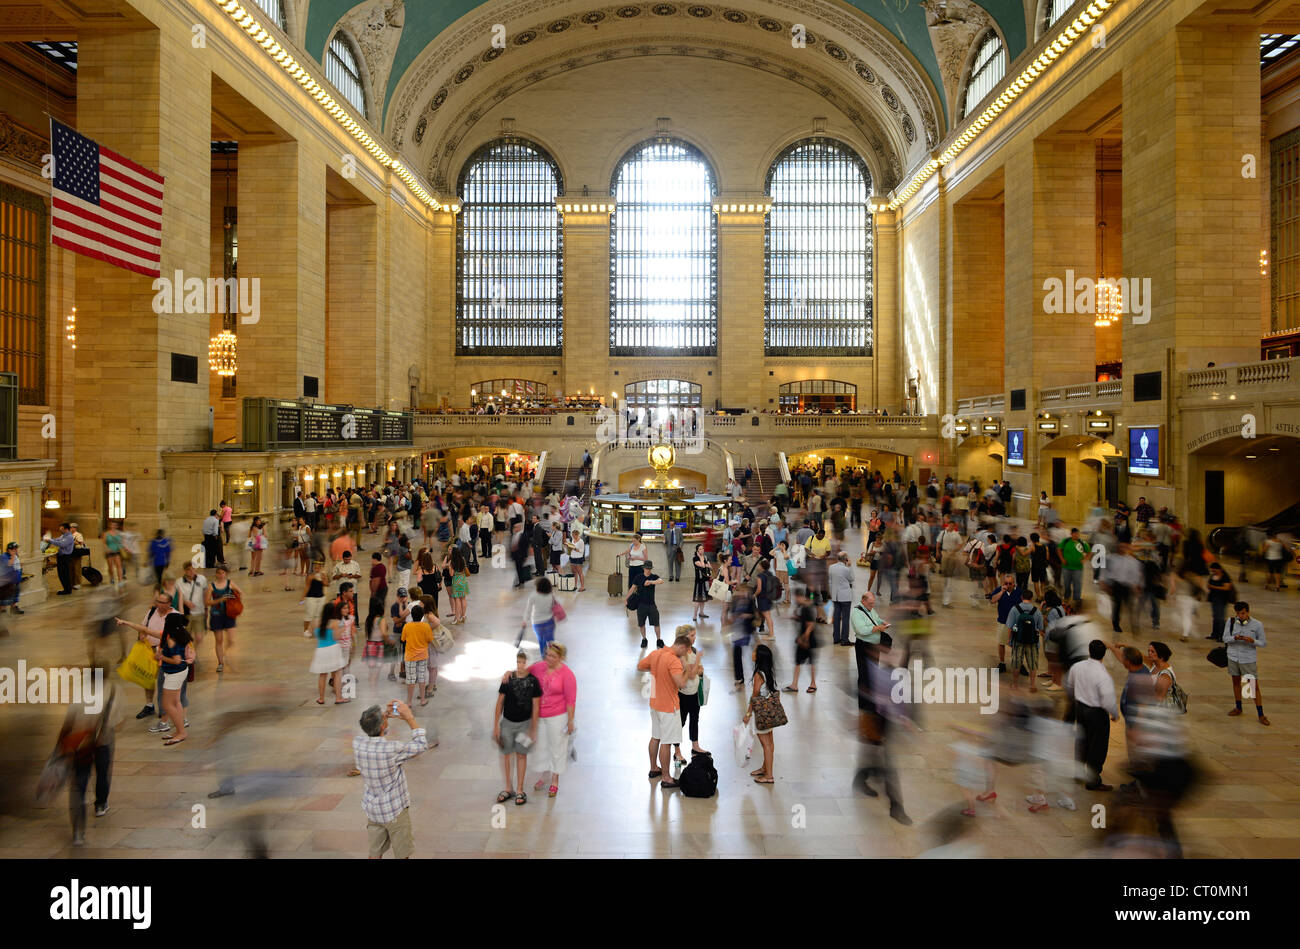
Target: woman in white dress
327	657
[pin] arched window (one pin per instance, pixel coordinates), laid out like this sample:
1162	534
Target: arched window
821	395
663	253
986	70
1050	12
817	297
274	9
672	393
509	252
343	69
507	391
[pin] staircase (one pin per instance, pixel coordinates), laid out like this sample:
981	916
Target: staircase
554	476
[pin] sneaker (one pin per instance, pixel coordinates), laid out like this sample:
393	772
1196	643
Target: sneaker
1065	802
160	727
101	810
221	667
187	723
1002	667
1053	688
644	642
78	840
659	644
1036	799
145	712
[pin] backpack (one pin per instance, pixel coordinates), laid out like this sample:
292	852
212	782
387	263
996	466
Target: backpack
700	777
1025	633
1023	562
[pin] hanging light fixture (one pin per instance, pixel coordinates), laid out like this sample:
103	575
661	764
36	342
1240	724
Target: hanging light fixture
221	353
1110	300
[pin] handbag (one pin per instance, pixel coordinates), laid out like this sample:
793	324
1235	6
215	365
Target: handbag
1176	697
1219	656
232	606
703	692
557	610
679	556
719	590
139	667
768	711
443	641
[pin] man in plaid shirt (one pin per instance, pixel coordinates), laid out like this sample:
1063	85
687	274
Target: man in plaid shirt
387	800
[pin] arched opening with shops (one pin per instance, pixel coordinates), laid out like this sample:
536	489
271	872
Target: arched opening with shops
1235	481
1072	469
833	461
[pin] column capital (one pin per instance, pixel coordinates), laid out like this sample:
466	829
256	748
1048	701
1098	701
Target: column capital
591	210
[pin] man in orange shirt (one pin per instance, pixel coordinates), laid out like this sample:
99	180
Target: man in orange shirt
665	667
417	634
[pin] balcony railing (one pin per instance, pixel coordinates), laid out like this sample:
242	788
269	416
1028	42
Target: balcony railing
715	426
1267	373
983	404
1084	393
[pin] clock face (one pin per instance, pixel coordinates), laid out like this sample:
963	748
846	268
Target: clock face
661	456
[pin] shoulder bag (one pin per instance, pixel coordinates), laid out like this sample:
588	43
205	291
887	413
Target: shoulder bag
768	711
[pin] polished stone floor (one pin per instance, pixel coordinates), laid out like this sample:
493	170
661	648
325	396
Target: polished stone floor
259	720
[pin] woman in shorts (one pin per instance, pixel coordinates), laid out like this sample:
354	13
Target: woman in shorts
113	543
175	653
222	626
577	548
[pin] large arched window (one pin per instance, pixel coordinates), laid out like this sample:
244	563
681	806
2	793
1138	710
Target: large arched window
821	395
344	70
674	393
509	252
986	70
817	297
1050	11
663	253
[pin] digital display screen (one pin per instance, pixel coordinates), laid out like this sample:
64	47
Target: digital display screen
651	524
1016	446
1144	452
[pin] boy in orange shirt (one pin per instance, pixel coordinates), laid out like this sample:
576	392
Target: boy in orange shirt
665	722
417	634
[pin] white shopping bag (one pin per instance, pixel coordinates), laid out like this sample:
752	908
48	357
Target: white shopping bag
742	741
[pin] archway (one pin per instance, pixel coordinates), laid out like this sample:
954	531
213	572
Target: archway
1072	471
1237	481
980	458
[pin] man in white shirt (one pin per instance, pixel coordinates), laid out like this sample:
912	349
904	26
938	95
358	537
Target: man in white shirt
346	570
950	559
1093	691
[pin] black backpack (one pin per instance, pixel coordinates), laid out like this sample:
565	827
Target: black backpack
1026	634
700	777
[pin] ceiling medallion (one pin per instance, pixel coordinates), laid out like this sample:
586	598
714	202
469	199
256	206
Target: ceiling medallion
735	16
663	9
592	18
559	26
836	53
771	25
909	129
891	100
464	74
628	13
699	12
865	72
524	38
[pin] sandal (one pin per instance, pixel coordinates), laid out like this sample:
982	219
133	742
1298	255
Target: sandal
353	773
342	701
655	773
968	813
987	796
789	688
555	789
173	741
521	798
669	785
765	780
757	774
320	701
505	796
811	688
539	785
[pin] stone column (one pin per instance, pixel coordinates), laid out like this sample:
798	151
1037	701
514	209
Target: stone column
586	295
441	340
742	379
282	239
357	362
886	319
146	96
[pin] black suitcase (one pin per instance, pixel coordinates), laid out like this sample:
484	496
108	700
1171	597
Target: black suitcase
92	576
615	584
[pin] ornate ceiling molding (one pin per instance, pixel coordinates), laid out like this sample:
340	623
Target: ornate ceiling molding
446	65
886	163
377	28
954	25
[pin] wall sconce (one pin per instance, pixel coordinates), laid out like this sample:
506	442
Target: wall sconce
52	505
70	327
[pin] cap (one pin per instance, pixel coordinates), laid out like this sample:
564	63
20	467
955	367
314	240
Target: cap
401	591
13	545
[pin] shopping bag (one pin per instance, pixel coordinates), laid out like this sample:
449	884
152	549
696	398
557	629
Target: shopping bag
53	777
139	667
742	742
703	692
557	610
719	590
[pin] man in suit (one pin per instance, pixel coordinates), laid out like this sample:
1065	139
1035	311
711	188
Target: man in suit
673	541
541	543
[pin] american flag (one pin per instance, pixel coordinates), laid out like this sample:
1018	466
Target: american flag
105	206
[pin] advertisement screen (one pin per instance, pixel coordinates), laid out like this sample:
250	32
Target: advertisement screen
1016	446
1144	452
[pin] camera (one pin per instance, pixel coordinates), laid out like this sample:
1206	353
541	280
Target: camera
392	709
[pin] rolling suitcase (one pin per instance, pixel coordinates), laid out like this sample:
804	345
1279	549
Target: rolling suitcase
92	576
615	584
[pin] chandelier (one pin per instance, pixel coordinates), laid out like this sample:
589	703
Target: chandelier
221	353
1109	305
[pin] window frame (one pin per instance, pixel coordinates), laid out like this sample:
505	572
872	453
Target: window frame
33	285
620	327
332	57
974	69
820	347
481	154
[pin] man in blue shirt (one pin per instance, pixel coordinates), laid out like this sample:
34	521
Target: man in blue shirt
1243	636
65	543
1005	597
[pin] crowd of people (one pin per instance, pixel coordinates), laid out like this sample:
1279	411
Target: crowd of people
371	564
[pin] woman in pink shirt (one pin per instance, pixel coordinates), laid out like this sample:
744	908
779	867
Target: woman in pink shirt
227	514
559	695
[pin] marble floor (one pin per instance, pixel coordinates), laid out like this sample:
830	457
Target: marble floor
260	720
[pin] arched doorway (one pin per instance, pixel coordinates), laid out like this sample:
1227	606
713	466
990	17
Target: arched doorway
1238	481
980	458
1072	471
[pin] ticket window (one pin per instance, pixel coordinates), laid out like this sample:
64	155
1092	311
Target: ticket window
241	492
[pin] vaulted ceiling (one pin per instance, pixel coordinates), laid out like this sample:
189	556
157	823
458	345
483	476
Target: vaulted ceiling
892	66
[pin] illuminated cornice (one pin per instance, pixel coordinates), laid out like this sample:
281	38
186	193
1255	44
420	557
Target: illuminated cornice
294	69
1081	24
